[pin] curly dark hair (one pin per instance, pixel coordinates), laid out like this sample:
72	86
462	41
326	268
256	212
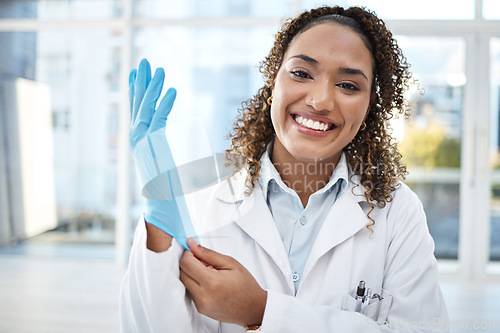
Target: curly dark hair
372	154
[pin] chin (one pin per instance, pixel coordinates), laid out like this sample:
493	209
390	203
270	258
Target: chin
311	156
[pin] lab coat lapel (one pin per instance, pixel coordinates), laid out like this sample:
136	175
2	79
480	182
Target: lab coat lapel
255	218
346	218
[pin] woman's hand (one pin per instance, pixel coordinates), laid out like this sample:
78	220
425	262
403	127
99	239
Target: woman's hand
221	288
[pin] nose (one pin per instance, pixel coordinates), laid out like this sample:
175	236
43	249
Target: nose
322	96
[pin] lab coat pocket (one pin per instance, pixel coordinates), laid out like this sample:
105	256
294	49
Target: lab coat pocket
349	303
377	310
380	310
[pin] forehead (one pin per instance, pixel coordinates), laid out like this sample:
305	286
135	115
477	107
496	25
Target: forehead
331	42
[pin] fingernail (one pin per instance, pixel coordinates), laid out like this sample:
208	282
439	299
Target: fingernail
192	242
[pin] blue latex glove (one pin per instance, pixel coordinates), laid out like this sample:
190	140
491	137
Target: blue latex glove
147	140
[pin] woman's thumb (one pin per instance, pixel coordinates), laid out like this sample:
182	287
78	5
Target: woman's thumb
208	256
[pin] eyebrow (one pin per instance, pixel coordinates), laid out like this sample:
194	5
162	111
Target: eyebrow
305	58
352	71
343	70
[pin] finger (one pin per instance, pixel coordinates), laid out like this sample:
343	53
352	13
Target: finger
160	116
194	268
151	96
191	284
212	258
141	84
131	88
193	288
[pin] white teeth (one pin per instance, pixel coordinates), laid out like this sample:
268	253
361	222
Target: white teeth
311	123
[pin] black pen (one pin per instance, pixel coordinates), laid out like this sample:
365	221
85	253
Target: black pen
360	293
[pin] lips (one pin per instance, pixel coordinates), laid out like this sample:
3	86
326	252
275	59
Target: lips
312	123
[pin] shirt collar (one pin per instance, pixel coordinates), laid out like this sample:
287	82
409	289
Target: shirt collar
269	173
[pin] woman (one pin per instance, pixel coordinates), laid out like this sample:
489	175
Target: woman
325	237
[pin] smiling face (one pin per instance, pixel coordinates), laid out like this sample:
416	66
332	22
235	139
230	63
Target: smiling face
321	94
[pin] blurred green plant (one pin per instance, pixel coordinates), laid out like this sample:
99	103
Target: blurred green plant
429	147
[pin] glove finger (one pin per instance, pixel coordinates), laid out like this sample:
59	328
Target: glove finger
141	84
131	88
160	116
151	96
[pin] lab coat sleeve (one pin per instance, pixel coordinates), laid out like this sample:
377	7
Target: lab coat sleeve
410	276
152	298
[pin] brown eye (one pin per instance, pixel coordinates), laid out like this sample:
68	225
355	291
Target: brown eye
348	86
301	74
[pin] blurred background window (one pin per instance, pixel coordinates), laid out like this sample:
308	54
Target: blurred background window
491	9
178	9
60	9
59	114
495	150
431	140
213	69
410	10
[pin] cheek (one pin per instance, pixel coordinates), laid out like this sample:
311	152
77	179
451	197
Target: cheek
356	115
277	116
278	106
273	116
272	113
284	90
360	109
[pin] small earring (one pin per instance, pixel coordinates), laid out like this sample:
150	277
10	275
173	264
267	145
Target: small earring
363	126
270	100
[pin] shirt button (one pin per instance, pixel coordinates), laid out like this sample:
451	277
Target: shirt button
303	220
295	277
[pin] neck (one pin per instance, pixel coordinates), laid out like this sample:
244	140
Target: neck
304	177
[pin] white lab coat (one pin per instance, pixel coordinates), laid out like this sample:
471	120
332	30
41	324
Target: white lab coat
395	261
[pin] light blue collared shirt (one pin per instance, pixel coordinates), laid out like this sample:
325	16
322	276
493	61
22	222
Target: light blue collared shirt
299	226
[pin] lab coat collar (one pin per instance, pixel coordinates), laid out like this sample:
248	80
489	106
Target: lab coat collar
268	174
345	219
235	188
259	225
